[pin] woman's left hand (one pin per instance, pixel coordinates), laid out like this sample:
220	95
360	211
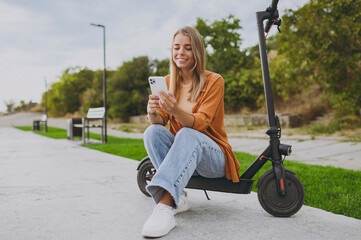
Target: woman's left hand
167	102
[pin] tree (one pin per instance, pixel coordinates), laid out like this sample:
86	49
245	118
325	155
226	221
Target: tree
9	106
93	96
129	88
222	42
160	67
24	106
65	96
241	70
322	44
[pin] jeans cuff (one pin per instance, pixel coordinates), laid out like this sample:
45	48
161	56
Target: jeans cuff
156	190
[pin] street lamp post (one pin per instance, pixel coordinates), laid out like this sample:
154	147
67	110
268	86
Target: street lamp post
104	84
46	105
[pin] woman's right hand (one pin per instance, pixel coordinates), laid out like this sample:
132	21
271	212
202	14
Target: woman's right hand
153	104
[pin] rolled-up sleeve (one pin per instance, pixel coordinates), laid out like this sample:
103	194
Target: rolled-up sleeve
209	105
164	115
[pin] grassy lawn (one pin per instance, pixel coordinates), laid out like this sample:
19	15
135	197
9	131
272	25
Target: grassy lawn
332	189
57	133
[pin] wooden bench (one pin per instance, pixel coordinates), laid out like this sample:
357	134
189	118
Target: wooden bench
94	114
37	124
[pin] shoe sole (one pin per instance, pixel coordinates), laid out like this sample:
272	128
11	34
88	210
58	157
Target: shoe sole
159	234
181	211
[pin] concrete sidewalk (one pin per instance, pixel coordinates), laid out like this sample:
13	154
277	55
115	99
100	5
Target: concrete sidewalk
55	189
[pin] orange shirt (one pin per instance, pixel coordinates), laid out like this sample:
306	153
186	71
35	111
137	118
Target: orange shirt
208	113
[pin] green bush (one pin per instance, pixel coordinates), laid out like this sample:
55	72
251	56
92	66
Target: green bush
336	124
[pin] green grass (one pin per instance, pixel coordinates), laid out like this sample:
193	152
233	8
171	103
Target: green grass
57	133
332	189
125	147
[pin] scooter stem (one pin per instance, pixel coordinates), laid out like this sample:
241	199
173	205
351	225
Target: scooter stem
274	130
261	16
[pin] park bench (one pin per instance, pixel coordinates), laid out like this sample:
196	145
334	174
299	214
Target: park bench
94	115
43	122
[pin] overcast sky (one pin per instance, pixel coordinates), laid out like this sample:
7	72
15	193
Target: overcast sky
41	38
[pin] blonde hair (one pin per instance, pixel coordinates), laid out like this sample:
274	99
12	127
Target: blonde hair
198	69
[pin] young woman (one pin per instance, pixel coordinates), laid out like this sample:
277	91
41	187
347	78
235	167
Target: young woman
196	142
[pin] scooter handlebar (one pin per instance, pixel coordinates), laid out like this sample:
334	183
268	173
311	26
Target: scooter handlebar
271	9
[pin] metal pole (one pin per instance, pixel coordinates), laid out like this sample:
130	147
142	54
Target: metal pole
104	84
105	91
265	69
46	105
46	99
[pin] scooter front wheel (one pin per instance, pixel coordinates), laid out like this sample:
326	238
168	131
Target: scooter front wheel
273	202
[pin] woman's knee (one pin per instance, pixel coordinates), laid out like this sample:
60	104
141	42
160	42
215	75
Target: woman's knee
186	132
153	130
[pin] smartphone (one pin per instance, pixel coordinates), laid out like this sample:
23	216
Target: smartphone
156	84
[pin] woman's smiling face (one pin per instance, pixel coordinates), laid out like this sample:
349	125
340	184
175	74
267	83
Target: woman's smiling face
182	52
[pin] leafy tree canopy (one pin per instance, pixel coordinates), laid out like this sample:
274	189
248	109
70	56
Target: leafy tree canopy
222	41
322	43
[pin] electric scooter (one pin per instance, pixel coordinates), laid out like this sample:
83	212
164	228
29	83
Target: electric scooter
280	192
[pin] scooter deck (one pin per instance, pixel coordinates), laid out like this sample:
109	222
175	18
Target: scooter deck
244	186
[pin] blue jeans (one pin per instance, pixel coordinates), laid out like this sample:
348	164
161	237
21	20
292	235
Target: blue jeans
177	158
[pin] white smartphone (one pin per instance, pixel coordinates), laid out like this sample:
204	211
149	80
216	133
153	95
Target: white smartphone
156	84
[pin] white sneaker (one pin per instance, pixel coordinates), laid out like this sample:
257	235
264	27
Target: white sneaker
160	222
183	204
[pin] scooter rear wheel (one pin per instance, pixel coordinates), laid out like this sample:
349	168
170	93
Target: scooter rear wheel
144	176
274	203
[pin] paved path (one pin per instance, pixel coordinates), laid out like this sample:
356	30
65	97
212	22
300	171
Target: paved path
55	189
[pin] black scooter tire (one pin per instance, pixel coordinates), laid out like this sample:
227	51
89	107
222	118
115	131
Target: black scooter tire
145	174
281	206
